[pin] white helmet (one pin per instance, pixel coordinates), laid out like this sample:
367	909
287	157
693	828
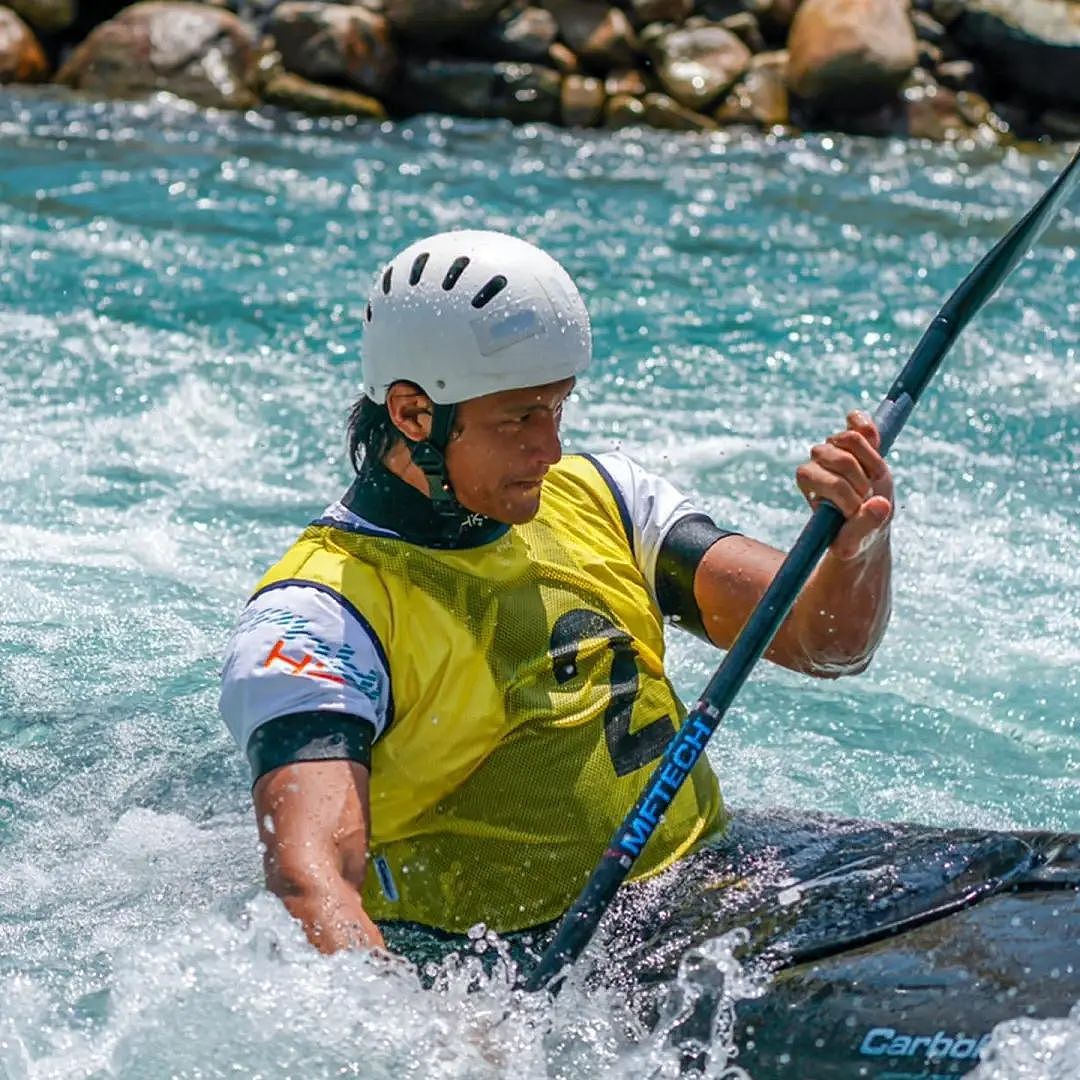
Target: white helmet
468	313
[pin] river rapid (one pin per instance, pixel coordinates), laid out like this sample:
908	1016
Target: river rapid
181	296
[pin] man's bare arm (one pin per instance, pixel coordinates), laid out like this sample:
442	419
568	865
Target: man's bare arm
313	819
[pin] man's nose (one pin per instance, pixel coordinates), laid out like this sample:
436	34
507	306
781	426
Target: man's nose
547	442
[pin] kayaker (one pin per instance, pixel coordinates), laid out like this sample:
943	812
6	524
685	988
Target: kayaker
452	686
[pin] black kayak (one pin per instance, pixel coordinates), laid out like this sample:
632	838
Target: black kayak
884	951
878	951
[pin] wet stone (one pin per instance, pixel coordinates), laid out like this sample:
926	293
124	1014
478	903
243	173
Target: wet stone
662	111
974	108
932	114
195	51
850	56
947	11
438	20
45	16
21	57
930	56
957	74
519	32
1031	46
622	110
582	101
927	28
761	97
1013	117
291	91
630	81
601	36
335	43
498	90
561	57
697	65
746	28
716	10
643	12
775	16
1061	123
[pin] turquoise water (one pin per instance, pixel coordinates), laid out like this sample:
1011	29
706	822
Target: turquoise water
180	305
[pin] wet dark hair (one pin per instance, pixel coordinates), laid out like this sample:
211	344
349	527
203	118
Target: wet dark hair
371	432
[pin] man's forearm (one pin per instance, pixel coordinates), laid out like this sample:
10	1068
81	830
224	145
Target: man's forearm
312	818
330	912
842	613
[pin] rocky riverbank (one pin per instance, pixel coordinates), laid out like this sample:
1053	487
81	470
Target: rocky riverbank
940	69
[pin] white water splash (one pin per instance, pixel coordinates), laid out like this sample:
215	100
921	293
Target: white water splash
1033	1050
249	996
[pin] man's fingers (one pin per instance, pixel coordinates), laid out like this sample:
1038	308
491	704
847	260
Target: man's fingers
869	452
835	459
862	449
878	509
817	483
847	471
863	423
863	529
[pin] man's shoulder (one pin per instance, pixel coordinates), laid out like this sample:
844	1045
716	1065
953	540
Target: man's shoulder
608	474
610	469
595	460
323	559
583	486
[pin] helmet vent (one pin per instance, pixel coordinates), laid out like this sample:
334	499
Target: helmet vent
368	312
489	291
457	268
418	268
386	280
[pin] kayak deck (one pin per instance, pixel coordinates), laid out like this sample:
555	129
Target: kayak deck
885	951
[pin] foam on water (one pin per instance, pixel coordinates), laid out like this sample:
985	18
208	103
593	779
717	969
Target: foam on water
237	989
1026	1049
181	304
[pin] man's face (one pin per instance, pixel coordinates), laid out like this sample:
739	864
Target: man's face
502	448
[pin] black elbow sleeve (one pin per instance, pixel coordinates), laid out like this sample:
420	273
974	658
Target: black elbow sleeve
309	736
680	554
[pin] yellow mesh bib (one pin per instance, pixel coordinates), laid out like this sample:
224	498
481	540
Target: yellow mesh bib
529	705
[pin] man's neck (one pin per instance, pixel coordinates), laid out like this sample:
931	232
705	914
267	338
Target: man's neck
392	495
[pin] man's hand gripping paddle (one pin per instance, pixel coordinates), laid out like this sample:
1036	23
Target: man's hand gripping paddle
580	922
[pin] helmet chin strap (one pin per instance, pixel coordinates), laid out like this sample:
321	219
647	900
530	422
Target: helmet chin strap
429	456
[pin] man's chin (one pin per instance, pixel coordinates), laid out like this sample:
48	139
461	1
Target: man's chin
518	515
518	509
526	516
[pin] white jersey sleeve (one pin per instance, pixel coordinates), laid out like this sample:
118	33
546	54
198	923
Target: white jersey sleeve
302	649
652	506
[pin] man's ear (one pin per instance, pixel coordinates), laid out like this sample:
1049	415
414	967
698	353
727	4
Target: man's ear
410	410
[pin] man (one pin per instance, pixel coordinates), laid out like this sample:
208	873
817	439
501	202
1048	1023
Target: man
451	689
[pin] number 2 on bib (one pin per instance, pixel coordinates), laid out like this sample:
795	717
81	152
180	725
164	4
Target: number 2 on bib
628	750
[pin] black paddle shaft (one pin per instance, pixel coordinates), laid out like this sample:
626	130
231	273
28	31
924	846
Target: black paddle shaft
681	754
